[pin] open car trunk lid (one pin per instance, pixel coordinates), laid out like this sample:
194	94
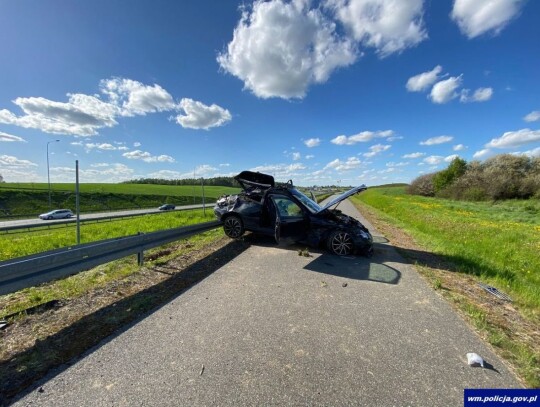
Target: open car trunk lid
250	179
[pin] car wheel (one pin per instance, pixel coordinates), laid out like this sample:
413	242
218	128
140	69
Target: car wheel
340	243
233	227
49	217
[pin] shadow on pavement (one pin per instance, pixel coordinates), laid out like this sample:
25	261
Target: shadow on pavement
353	267
356	268
60	350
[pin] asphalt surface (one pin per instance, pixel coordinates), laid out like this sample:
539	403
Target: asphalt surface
273	328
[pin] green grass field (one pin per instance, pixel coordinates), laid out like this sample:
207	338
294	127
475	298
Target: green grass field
499	242
29	199
127	189
24	243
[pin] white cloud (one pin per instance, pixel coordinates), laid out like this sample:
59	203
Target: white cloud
459	147
482	153
166	174
434	159
389	26
135	98
361	137
338	165
436	140
280	48
204	170
147	157
479	95
82	115
376	149
15	174
533	116
421	82
400	164
451	158
101	146
387	171
113	172
413	155
225	165
309	156
9	161
477	17
280	171
312	142
444	91
10	138
296	156
136	144
515	139
531	153
200	116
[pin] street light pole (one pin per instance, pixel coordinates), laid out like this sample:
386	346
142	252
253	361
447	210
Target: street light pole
48	174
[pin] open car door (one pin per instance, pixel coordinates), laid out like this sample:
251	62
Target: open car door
291	223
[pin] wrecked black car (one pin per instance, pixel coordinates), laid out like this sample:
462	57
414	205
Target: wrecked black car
285	213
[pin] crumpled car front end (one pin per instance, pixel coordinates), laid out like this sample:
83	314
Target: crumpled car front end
224	204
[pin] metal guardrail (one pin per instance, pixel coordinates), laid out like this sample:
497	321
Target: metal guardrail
28	271
7	229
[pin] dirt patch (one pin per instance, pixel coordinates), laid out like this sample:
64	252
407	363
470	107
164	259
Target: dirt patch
52	336
498	322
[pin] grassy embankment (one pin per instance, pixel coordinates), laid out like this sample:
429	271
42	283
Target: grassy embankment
497	243
21	244
31	199
39	240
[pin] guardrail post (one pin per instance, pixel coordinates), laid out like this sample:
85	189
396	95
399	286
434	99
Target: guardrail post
140	255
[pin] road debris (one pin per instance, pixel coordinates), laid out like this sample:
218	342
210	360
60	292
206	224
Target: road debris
495	292
202	370
474	360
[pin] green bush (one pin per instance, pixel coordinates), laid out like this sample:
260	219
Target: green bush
445	178
504	176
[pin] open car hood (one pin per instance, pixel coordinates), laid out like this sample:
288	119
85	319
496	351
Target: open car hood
343	196
250	179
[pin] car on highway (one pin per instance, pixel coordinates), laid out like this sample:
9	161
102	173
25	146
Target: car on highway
167	207
284	212
57	214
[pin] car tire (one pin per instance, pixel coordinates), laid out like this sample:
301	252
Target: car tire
49	217
233	226
340	243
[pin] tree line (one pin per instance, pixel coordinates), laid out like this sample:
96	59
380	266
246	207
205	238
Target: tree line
504	176
215	181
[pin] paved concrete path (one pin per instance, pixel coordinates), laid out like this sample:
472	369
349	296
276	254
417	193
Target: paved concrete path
272	328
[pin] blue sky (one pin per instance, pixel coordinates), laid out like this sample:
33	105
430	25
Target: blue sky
348	91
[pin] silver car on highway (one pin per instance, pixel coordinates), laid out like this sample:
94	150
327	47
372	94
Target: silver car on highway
57	214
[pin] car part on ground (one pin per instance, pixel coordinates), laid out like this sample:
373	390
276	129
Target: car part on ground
285	213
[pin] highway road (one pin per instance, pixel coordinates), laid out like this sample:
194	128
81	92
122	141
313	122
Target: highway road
95	216
272	328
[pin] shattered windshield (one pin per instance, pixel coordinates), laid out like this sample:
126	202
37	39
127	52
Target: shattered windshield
308	203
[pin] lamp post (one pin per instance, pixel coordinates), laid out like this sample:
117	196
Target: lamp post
48	175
